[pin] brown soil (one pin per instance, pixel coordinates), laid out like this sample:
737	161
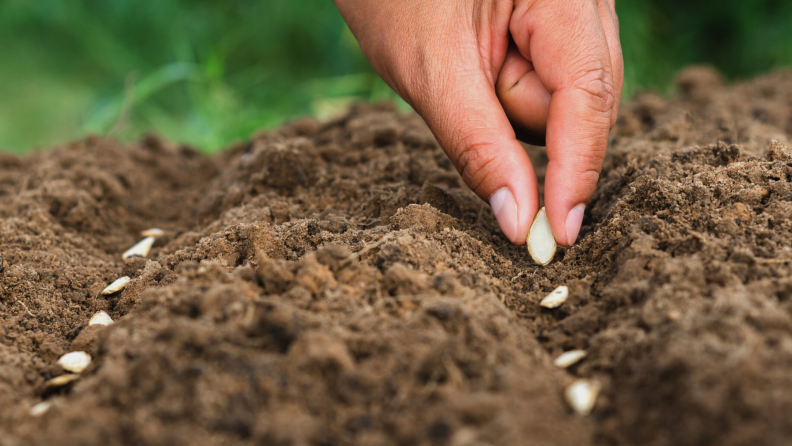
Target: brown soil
335	284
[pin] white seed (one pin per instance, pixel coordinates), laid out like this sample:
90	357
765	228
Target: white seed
141	249
40	408
541	243
117	286
60	381
582	394
556	298
153	232
100	318
75	362
566	359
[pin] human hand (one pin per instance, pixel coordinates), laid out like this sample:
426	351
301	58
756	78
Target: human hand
472	68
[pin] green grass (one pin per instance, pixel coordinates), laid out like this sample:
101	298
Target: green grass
740	38
208	73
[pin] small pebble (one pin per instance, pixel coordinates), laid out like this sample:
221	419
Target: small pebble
556	298
40	408
117	286
566	359
153	232
100	318
582	394
141	249
60	381
75	362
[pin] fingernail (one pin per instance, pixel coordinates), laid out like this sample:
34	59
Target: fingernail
505	209
573	221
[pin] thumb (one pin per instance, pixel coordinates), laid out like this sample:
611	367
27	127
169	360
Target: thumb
579	75
468	120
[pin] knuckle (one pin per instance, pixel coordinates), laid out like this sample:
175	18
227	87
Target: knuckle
589	163
587	179
474	163
597	82
583	170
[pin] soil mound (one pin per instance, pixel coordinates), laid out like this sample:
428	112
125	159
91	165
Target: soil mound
334	283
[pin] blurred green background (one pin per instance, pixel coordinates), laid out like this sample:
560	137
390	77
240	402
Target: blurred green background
208	73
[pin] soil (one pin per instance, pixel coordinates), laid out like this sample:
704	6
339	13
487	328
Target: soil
334	283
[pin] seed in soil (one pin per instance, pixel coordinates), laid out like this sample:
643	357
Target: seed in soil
569	358
556	298
141	249
582	394
541	243
117	286
153	232
40	408
60	381
100	318
75	362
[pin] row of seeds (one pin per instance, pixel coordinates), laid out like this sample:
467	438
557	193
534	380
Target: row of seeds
76	362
